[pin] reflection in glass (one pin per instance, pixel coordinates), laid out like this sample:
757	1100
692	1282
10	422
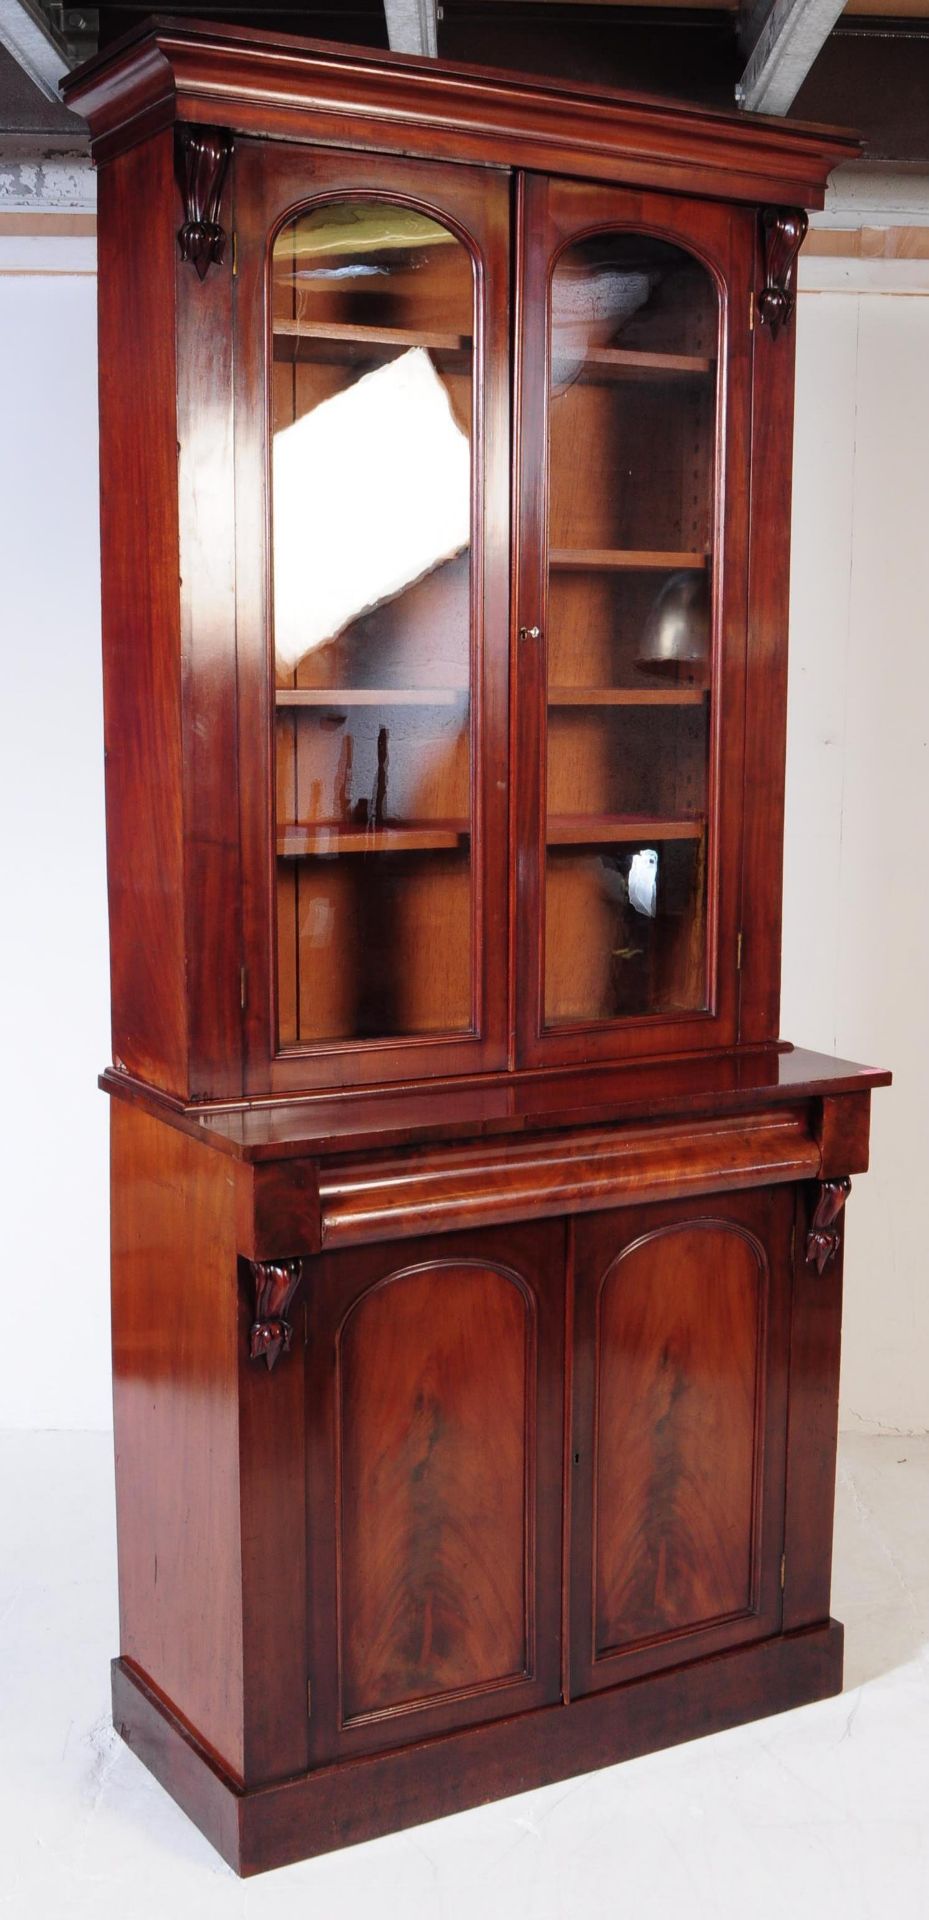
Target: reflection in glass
634	324
385	456
371	471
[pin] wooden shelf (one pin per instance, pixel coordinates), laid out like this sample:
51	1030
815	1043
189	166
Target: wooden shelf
327	837
596	829
370	696
623	560
627	696
353	334
604	363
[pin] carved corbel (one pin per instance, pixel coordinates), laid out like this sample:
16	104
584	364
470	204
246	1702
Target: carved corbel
783	231
275	1283
201	157
824	1239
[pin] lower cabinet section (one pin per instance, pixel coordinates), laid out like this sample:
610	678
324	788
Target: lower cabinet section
460	1474
414	1524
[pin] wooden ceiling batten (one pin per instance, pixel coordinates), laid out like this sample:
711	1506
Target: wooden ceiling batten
781	39
412	26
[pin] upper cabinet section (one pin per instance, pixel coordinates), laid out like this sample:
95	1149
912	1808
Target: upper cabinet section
445	503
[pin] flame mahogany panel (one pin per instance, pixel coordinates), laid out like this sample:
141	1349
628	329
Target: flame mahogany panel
434	1449
679	1431
435	1385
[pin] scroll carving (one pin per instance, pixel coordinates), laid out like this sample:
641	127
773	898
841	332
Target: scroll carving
824	1239
783	231
275	1283
201	157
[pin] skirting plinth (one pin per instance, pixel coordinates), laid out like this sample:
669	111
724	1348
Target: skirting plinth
361	1799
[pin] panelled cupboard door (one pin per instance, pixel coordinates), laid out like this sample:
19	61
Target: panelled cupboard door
372	499
679	1431
633	421
434	1456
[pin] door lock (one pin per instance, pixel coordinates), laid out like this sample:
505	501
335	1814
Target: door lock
530	633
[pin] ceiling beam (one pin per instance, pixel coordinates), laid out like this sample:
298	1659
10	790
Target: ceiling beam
411	26
781	39
26	34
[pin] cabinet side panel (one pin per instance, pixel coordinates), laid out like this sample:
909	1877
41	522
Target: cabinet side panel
175	1358
815	1348
205	484
139	543
766	695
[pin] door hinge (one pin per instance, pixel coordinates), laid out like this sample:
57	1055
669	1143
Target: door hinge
243	987
783	1571
235	254
309	1699
751	298
738	952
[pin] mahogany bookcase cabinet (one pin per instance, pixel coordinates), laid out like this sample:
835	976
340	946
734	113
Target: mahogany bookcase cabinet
476	1241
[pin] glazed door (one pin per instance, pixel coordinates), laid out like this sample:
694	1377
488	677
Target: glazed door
632	459
372	482
678	1432
434	1470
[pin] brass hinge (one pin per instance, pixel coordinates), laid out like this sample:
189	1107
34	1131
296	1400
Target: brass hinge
751	302
738	952
243	987
235	254
783	1571
309	1699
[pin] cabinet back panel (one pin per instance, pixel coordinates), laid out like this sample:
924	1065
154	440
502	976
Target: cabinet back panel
631	469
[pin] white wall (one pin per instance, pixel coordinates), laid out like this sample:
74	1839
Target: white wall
54	966
856	946
856	927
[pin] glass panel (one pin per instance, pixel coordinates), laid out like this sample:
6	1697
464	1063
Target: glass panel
371	397
631	501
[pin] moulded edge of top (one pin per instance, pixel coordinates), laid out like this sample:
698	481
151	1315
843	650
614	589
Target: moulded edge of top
258	82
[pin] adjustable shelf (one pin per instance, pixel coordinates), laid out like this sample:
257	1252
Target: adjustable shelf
618	363
320	340
627	696
364	335
582	830
328	837
369	696
623	560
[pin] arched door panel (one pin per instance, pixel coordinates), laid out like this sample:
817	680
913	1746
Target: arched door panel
679	1431
434	1466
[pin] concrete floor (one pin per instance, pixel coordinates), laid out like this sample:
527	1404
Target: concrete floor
820	1812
